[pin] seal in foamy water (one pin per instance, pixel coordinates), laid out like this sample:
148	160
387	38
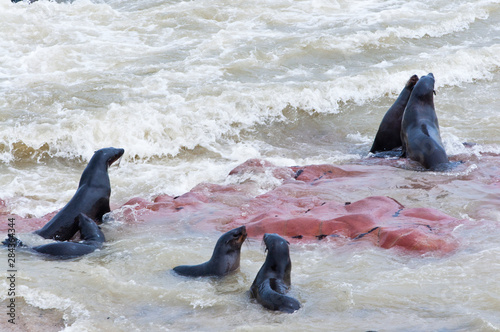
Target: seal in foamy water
225	258
420	129
274	277
91	197
91	236
389	132
92	239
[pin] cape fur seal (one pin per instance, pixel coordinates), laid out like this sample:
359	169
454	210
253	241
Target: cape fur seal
389	132
273	279
91	197
90	234
419	127
92	239
225	257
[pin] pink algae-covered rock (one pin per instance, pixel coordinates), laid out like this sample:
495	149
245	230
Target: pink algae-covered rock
261	166
380	220
305	206
317	172
24	224
302	203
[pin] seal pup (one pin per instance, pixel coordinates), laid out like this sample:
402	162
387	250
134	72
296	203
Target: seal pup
91	197
225	257
389	132
420	129
273	279
90	234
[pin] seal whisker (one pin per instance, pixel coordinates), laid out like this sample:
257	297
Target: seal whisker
119	161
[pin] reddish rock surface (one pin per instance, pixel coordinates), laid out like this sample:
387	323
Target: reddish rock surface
307	204
303	208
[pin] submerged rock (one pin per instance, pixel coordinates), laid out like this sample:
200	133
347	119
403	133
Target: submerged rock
303	206
313	203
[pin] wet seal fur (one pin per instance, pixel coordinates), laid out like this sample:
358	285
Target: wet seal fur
420	128
91	236
225	257
92	239
273	279
389	132
91	197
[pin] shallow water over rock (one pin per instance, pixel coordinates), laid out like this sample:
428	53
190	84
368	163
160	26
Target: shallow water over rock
193	90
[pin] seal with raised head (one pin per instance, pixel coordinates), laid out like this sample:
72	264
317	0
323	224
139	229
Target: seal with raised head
389	132
274	277
91	197
91	236
420	128
225	257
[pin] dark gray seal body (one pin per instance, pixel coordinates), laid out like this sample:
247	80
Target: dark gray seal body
91	197
90	234
420	129
274	277
389	132
225	257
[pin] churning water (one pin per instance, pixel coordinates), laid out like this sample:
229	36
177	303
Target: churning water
191	89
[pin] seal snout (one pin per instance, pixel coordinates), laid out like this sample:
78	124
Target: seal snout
240	234
115	154
243	235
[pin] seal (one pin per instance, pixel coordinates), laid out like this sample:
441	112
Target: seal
90	234
273	279
225	257
389	132
420	128
91	197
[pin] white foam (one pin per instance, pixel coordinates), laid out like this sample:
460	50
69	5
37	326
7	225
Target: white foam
168	80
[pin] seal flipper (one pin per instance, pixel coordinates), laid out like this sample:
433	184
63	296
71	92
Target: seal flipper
91	235
273	279
192	270
271	296
13	241
278	285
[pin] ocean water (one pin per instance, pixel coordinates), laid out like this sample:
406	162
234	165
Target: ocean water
191	89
